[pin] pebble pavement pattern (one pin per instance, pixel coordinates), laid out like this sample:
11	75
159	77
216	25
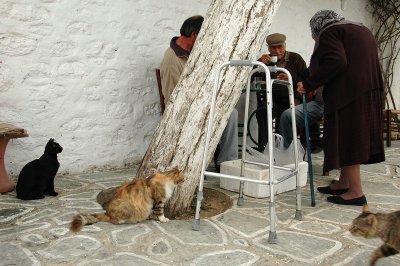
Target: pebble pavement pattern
37	232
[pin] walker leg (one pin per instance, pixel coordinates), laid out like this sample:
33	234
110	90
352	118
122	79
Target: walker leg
196	220
299	215
272	238
240	200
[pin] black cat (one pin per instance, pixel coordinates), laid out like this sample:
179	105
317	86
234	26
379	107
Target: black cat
37	177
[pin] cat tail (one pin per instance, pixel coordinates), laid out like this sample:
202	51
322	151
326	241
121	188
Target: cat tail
85	219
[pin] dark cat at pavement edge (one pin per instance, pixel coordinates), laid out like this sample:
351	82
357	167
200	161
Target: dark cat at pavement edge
37	177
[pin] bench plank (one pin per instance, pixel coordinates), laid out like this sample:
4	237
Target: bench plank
8	131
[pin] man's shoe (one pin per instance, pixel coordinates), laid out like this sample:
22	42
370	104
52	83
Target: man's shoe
328	190
218	168
339	200
315	149
259	149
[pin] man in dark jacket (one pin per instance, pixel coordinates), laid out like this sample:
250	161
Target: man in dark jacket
345	60
296	65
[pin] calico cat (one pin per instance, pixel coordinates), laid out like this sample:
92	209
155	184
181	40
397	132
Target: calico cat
383	225
37	177
104	197
134	201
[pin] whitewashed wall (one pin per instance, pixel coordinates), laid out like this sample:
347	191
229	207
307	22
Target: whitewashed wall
82	72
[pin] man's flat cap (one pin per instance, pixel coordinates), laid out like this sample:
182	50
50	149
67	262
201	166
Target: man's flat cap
276	39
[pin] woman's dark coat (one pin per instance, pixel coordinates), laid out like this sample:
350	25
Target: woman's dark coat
345	61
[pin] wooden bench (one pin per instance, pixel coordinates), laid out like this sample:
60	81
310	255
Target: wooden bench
7	132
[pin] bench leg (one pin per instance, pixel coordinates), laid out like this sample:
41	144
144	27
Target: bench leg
6	184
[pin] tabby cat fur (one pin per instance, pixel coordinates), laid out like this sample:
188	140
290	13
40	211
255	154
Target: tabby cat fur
383	225
134	201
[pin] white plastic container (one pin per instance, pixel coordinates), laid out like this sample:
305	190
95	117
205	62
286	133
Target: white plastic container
260	173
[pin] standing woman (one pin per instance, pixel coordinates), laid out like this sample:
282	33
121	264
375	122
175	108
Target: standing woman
345	61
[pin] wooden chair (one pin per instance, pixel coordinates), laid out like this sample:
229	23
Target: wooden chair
391	123
162	104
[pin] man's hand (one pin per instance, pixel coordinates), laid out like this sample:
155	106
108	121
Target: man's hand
266	59
282	76
300	88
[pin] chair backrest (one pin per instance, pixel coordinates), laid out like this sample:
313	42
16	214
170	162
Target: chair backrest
162	104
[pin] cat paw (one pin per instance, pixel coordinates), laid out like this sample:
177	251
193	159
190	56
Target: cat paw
52	193
153	217
163	219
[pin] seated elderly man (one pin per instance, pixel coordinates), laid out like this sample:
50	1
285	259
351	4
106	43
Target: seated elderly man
172	66
296	65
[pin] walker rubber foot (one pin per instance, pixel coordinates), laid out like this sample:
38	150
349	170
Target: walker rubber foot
240	202
272	238
196	225
299	215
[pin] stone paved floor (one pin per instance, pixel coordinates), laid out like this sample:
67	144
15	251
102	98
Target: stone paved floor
36	232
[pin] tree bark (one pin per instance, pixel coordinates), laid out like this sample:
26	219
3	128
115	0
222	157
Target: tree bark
233	29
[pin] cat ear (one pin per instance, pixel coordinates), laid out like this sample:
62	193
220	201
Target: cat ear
176	170
51	140
371	219
365	208
152	171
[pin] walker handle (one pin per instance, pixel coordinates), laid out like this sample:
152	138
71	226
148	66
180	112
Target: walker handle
240	63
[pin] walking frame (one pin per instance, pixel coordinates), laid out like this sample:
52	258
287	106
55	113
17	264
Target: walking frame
272	239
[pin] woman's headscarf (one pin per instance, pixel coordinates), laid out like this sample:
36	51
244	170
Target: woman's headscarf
323	18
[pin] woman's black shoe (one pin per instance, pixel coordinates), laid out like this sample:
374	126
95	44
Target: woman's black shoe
328	190
339	200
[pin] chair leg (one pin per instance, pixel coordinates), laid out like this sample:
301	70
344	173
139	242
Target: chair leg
388	115
216	154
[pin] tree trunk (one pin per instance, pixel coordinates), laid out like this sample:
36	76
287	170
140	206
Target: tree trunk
233	29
